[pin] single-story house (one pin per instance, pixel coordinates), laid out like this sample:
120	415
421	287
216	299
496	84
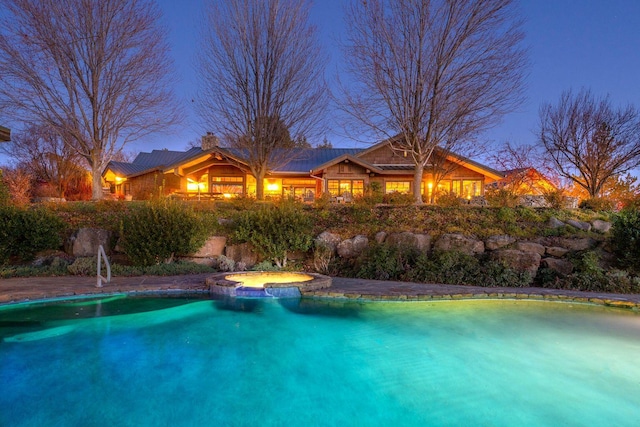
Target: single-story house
524	181
215	171
5	134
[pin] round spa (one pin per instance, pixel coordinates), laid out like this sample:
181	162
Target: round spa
265	284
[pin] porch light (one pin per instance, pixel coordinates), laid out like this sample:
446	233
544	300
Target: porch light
119	179
430	185
272	185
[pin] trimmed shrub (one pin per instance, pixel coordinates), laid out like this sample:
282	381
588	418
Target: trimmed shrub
158	231
397	198
27	232
625	238
275	230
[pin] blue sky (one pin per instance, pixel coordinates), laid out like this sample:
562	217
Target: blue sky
573	43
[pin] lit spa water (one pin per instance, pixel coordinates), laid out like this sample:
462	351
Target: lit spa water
181	362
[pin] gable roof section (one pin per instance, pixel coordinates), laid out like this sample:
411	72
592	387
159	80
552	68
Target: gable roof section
350	157
475	166
309	159
161	158
452	157
125	169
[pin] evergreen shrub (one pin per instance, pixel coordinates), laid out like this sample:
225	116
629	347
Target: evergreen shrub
157	231
25	232
625	238
275	230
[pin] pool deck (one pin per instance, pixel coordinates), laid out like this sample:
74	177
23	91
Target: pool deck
41	288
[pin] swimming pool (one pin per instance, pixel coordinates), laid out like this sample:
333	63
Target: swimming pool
245	362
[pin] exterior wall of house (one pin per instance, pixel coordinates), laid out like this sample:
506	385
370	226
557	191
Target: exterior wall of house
385	155
150	185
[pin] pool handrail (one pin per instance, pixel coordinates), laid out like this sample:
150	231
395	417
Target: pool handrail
100	278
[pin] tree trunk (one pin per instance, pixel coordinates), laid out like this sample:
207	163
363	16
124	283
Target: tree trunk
96	178
260	185
417	181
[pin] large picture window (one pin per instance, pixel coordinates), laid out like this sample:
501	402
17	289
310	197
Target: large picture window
338	187
467	188
233	185
299	188
397	187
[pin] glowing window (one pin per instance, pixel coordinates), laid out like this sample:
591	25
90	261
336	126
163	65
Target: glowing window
397	186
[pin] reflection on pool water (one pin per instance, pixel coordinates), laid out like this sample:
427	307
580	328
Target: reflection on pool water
185	362
258	279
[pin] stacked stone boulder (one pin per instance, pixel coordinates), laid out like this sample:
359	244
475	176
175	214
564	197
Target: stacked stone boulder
521	255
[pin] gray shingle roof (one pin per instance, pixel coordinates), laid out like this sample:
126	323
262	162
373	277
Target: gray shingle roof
158	158
308	159
126	169
302	160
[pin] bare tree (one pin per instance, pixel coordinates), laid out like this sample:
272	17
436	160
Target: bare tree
589	140
19	185
528	169
42	152
95	71
262	84
433	73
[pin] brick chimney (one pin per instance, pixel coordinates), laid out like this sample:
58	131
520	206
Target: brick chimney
209	142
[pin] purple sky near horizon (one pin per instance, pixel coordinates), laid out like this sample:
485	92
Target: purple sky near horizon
572	43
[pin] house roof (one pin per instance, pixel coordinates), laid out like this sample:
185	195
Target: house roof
126	169
5	134
160	158
309	159
303	161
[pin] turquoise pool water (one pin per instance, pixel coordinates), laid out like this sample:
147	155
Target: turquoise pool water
185	362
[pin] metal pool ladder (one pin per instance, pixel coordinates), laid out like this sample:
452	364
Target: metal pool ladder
101	255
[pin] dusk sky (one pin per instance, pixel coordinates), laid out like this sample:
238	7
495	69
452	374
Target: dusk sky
573	44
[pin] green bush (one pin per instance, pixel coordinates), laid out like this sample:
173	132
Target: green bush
447	267
590	276
26	232
501	198
447	199
157	231
386	262
597	204
555	198
399	199
625	238
275	230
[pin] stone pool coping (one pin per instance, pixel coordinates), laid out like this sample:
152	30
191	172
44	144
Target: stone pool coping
42	288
